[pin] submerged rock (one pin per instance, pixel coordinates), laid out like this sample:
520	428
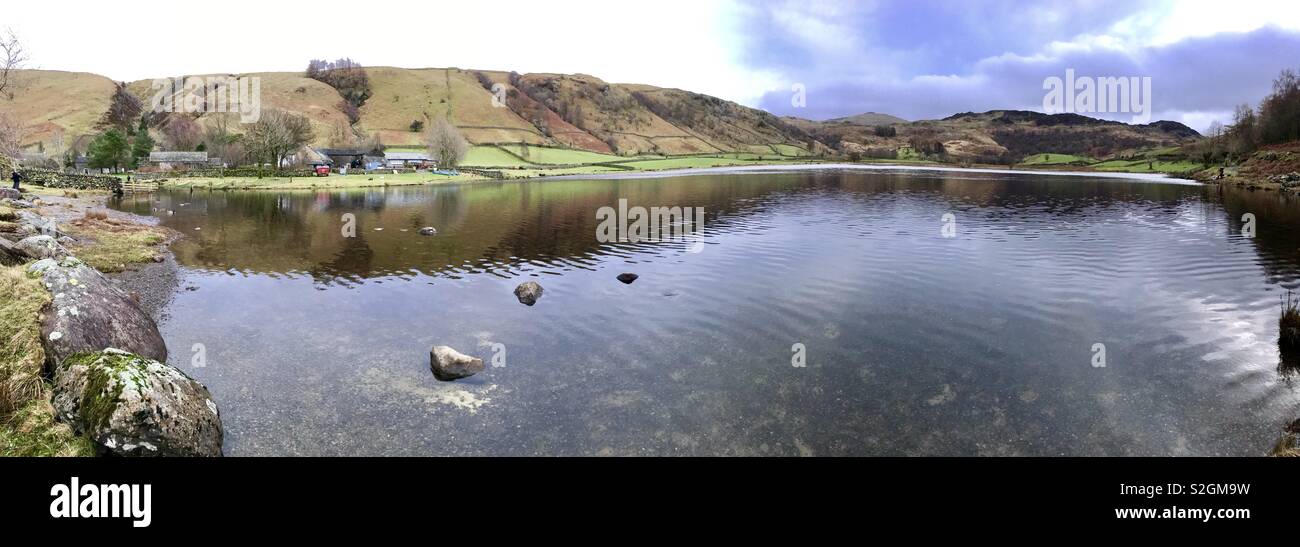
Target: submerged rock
528	292
628	278
41	246
449	364
428	231
135	406
88	313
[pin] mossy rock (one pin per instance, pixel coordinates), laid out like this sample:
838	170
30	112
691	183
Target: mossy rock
135	406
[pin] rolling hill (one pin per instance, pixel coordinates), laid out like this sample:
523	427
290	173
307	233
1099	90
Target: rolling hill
583	112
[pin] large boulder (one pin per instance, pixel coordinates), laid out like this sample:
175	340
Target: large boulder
41	246
89	314
449	364
135	406
10	193
41	224
528	292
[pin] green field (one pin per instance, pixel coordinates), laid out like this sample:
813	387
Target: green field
559	156
790	150
1054	159
491	156
1146	166
689	162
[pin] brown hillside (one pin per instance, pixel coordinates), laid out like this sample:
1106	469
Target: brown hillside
58	105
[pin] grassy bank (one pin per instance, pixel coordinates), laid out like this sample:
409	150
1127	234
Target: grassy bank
514	161
110	245
27	426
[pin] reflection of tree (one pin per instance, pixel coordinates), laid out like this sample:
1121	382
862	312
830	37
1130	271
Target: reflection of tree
353	262
1277	223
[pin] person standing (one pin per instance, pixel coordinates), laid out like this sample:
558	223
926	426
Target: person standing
17	177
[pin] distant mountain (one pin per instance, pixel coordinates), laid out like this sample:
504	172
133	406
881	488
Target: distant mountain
1003	136
869	118
585	112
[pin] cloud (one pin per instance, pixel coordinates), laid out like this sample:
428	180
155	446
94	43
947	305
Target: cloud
933	59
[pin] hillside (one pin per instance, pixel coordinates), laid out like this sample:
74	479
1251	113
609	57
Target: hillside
585	113
998	136
569	111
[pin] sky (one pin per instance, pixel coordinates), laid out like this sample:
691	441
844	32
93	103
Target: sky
917	59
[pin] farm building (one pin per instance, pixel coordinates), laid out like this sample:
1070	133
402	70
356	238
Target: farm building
344	157
408	159
173	160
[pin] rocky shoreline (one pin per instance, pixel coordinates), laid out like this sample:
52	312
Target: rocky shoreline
103	352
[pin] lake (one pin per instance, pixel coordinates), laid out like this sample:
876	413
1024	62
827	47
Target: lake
979	333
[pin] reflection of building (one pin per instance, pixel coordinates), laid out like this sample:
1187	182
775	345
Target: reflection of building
418	160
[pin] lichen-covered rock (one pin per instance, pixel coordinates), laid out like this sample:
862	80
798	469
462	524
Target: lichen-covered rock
40	224
41	246
135	406
449	364
87	313
528	292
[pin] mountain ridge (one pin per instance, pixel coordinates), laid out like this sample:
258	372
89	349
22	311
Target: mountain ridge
584	112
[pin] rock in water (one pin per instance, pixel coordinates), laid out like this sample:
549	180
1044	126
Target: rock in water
627	278
449	364
528	292
427	231
89	314
41	246
134	406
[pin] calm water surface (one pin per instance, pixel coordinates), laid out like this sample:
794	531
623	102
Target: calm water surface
980	344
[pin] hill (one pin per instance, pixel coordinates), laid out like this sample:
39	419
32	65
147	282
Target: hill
1001	136
583	112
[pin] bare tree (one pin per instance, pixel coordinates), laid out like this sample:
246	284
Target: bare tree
181	132
446	143
11	137
12	58
278	134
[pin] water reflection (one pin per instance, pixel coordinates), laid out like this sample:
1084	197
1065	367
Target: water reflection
917	344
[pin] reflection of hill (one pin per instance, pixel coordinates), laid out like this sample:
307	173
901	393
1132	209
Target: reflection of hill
493	226
481	226
1277	222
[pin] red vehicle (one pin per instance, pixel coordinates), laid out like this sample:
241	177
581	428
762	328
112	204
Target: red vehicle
322	170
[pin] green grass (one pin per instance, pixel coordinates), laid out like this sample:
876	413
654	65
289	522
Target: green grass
111	247
790	150
560	156
1054	159
688	162
1145	166
27	425
491	156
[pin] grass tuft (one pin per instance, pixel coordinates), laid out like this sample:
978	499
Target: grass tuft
110	245
27	425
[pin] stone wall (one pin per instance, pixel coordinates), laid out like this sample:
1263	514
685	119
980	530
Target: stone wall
56	179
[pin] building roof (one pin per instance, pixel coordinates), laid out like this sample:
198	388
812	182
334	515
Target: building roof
178	157
407	156
341	151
